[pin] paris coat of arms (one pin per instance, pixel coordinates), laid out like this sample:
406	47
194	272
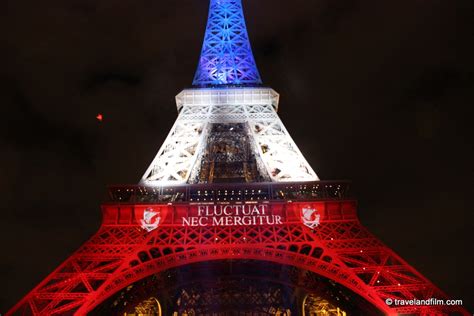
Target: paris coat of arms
151	219
310	217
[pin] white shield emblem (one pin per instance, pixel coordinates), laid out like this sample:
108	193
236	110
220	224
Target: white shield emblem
310	217
150	220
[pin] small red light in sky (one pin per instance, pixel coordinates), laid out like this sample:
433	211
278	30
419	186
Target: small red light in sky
99	117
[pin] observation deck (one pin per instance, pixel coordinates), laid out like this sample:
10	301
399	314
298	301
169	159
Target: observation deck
230	192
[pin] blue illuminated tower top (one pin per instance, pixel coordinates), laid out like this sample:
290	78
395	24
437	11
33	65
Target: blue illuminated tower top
226	55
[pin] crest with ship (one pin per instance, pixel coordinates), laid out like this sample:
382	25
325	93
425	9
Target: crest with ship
229	218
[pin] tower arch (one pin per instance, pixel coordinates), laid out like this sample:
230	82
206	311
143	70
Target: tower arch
229	184
271	286
143	270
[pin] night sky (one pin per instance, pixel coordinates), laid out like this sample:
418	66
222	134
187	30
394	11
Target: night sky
377	92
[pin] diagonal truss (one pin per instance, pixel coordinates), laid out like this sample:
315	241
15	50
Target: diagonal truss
340	249
122	253
199	108
226	56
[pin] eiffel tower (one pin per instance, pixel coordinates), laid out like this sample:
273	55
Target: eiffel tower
230	219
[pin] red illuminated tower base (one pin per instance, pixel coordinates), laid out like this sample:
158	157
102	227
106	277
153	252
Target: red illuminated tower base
311	226
230	218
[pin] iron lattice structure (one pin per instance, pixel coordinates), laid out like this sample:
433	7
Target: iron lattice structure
276	182
340	249
183	149
226	56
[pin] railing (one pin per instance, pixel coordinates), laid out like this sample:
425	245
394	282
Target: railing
230	192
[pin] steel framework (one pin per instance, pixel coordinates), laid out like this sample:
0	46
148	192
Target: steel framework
147	229
199	108
340	249
237	287
226	56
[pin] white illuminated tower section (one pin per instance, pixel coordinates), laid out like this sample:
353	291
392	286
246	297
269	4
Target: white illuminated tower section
230	219
228	129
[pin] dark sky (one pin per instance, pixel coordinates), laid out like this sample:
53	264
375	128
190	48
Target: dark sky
378	92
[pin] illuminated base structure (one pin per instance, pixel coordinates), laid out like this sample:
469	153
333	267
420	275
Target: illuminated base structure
230	219
232	249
